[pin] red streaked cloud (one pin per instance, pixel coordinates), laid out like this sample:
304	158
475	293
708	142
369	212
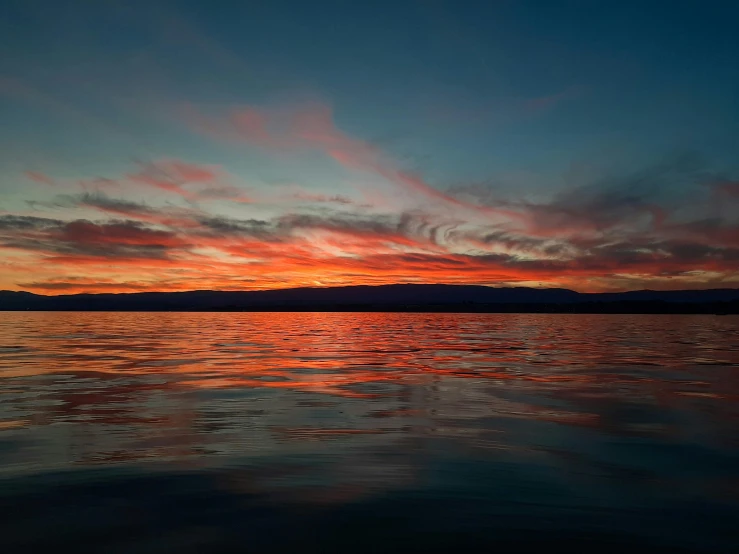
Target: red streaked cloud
190	181
197	251
193	182
312	127
603	236
173	176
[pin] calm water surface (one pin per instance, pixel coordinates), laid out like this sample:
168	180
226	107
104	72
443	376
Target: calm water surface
237	432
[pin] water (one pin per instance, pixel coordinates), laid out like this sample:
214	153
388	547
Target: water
236	432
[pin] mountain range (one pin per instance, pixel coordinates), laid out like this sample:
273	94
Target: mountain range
397	298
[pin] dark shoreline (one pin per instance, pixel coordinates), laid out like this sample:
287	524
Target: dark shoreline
389	298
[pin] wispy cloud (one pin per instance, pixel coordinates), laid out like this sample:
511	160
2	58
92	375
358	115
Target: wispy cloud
312	126
612	232
38	177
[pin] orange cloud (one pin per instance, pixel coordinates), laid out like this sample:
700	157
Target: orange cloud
592	238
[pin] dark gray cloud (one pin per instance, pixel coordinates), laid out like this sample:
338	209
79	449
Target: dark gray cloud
98	200
111	239
113	205
348	223
675	188
228	225
10	223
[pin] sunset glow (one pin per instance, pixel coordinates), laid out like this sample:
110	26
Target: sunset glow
152	177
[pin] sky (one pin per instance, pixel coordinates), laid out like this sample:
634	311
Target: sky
188	145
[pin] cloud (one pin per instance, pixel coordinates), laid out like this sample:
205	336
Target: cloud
97	184
220	226
321	198
117	233
113	239
291	249
727	188
164	176
635	203
168	216
712	231
190	181
79	284
312	127
105	203
486	238
609	233
232	194
12	223
38	177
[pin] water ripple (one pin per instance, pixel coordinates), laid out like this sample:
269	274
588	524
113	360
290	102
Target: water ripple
500	421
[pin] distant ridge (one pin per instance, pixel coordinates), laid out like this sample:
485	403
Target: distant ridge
393	298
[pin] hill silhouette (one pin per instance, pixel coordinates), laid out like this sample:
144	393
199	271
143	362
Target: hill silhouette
402	297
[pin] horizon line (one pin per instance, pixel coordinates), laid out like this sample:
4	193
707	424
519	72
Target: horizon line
317	287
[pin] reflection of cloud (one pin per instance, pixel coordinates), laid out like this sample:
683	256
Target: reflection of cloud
465	369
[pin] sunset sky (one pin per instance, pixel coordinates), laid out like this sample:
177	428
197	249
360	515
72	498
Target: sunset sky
266	144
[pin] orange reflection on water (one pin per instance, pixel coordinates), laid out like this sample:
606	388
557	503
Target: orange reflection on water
184	386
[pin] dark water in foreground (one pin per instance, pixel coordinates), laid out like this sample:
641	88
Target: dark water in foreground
135	432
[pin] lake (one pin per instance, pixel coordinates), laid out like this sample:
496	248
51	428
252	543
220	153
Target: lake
368	432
